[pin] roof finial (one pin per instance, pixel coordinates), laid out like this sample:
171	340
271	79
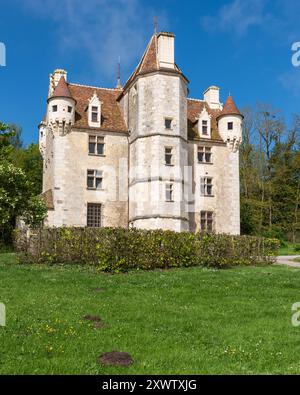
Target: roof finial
155	23
119	85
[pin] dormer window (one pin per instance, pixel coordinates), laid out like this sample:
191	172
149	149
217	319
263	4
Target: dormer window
54	108
94	111
94	114
204	124
230	125
204	127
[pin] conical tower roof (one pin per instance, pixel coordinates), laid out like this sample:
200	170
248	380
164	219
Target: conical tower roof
62	89
230	108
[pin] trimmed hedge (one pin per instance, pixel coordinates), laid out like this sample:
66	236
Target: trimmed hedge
119	249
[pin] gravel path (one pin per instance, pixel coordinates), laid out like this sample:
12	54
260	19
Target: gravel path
288	260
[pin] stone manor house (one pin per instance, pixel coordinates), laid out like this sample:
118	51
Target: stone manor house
143	154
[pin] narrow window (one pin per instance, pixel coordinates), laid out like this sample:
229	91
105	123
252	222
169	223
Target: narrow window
169	192
168	156
94	114
100	145
206	221
94	179
204	154
69	109
204	127
92	144
230	125
54	108
93	215
168	123
206	186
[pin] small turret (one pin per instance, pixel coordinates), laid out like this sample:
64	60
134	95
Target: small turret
230	124
61	107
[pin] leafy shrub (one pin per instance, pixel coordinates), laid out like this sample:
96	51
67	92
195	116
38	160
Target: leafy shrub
297	248
118	249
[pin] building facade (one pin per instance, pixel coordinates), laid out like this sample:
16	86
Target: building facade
143	154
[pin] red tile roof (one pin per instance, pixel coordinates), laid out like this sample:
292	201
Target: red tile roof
149	62
230	108
62	89
194	109
111	116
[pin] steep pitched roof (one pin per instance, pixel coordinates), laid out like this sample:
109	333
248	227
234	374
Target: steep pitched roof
111	116
230	108
194	108
62	89
149	62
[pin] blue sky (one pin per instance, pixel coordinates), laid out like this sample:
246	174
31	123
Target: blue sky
243	46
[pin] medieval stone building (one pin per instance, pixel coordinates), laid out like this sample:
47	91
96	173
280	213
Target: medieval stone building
142	154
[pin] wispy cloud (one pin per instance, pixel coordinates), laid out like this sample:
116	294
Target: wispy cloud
102	30
237	17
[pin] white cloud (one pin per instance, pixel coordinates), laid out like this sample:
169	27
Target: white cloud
102	30
237	17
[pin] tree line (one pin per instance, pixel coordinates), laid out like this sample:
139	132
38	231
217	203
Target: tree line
270	174
21	170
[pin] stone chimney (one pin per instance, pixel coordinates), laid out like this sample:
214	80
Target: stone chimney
166	49
212	97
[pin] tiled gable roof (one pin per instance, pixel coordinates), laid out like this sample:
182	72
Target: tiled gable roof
194	109
111	116
149	62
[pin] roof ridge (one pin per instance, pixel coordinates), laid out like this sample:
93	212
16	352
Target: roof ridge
94	87
191	98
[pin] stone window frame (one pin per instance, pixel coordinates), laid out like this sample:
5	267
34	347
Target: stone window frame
169	192
204	150
95	176
99	141
94	217
170	155
94	107
204	116
207	221
168	121
206	186
55	108
231	125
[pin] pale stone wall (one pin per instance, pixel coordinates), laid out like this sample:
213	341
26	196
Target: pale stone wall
71	162
225	202
153	99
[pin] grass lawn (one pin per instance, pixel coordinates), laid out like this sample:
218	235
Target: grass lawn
189	321
289	249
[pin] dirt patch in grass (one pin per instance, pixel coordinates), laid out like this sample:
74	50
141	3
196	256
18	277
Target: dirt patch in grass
99	289
96	320
116	358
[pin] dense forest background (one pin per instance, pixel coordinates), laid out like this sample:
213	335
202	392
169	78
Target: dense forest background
269	175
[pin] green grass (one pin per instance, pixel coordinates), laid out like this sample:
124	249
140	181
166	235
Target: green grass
289	249
189	321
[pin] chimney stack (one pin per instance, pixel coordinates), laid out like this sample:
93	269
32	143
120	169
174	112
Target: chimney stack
166	50
212	97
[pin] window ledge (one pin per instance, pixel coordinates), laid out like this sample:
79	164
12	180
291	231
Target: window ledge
207	195
205	163
95	189
166	164
103	155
